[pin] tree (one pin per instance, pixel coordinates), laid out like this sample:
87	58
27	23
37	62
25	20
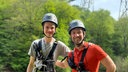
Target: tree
121	28
100	27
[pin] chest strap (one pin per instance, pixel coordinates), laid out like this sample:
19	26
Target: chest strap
39	53
81	66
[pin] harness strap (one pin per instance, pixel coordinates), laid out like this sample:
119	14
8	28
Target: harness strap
64	58
39	53
50	55
81	63
38	47
84	53
40	56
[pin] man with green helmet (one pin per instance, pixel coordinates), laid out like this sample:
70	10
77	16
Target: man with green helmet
45	51
86	56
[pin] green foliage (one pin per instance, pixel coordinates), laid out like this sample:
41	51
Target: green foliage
100	24
122	64
120	44
5	3
100	28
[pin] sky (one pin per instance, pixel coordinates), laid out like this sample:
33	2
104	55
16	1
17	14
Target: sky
110	5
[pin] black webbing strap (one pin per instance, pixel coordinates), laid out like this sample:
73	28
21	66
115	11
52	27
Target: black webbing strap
83	55
50	55
81	63
40	45
38	49
39	53
64	58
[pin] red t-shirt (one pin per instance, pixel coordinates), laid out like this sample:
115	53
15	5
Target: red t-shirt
92	59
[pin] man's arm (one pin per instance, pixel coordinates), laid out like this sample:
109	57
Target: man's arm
30	65
109	64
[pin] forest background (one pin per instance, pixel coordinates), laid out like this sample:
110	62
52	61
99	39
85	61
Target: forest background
20	24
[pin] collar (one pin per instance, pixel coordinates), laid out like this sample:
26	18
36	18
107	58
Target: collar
85	44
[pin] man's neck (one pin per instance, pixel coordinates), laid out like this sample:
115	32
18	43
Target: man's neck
80	46
48	40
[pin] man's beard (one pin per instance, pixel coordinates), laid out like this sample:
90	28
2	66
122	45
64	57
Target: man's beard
78	43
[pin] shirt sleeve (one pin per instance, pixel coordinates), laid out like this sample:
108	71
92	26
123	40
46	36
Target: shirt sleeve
63	49
33	46
100	53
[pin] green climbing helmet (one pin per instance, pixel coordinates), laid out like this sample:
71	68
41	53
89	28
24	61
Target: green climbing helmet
76	24
50	17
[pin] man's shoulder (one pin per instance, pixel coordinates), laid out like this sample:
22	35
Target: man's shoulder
37	40
91	45
60	43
